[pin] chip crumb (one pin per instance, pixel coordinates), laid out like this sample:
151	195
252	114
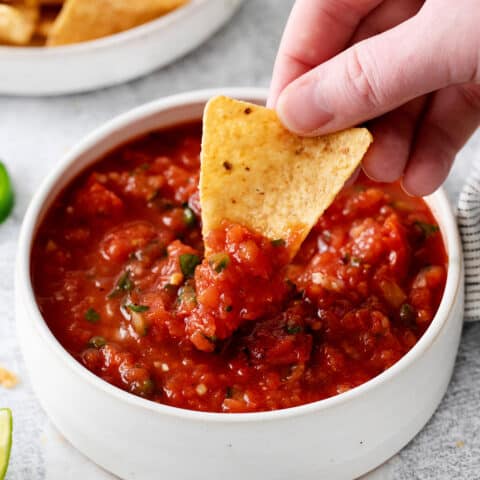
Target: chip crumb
7	379
460	444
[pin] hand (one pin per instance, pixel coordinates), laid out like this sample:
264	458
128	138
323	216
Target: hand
411	67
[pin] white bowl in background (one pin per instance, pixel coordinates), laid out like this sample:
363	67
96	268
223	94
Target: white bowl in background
338	438
113	59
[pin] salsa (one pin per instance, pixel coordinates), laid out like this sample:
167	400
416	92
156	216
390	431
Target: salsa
121	278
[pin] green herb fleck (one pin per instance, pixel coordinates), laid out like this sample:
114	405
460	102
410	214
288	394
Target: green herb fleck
186	294
279	242
427	228
138	308
355	262
124	284
92	316
189	216
188	263
97	342
143	388
211	339
229	392
6	193
347	259
407	313
228	308
293	329
219	261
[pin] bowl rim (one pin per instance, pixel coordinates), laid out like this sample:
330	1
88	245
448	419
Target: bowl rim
113	40
24	285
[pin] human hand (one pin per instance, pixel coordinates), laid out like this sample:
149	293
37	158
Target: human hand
411	67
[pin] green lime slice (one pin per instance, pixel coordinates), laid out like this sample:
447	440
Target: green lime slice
5	439
6	193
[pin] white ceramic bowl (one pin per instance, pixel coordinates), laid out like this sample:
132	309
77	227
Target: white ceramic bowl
338	438
113	59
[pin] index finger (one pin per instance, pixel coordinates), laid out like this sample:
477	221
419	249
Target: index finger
316	31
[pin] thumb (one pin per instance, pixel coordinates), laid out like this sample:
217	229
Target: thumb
371	78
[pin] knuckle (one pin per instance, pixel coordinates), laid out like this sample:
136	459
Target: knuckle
361	78
338	12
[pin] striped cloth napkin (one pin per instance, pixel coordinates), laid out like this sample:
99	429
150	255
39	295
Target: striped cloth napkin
468	216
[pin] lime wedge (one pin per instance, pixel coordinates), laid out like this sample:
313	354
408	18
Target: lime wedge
5	439
6	193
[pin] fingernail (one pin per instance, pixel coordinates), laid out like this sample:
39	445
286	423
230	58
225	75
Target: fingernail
406	189
270	103
301	108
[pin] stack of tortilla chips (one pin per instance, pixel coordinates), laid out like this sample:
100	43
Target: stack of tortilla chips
61	22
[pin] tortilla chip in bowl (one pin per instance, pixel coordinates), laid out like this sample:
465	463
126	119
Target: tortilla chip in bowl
83	20
17	23
106	61
63	22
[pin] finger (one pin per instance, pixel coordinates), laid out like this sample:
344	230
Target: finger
393	132
393	135
373	77
450	120
316	31
353	177
387	15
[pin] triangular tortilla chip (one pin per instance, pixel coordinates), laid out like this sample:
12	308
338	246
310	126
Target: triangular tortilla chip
83	20
17	23
256	173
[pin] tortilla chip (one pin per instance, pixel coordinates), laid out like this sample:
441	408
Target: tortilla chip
22	3
83	20
17	24
256	173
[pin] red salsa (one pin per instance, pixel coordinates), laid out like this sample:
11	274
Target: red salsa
120	276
